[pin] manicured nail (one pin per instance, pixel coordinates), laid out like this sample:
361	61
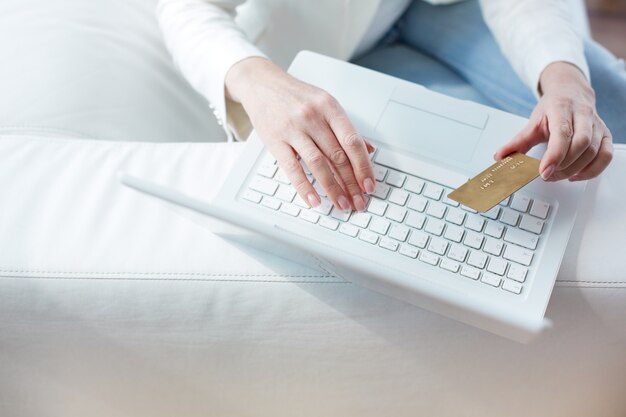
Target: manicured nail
313	199
343	203
547	172
359	202
368	184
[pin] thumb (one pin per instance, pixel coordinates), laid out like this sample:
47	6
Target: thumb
528	137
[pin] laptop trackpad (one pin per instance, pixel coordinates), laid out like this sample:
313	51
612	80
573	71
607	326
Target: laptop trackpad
447	135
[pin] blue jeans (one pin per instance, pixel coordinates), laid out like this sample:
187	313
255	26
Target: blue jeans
450	49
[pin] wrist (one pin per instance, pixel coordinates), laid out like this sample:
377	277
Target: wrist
243	75
558	75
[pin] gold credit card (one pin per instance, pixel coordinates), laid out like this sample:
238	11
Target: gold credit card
497	182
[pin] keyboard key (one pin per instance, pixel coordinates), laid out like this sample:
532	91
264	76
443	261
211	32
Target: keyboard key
474	222
433	191
396	213
340	214
368	237
509	217
470	272
429	258
457	252
309	216
471	210
282	177
290	209
389	244
492	213
455	216
494	229
252	196
521	238
329	223
491	279
517	273
449	265
408	250
267	170
398	196
379	225
419	239
325	207
285	193
454	233
300	202
493	246
395	178
449	201
477	259
473	240
305	168
497	266
320	190
531	224
398	232
539	209
348	229
436	209
414	185
417	203
512	286
438	246
263	185
379	172
381	190
516	254
415	220
360	219
434	226
270	202
505	202
520	202
377	207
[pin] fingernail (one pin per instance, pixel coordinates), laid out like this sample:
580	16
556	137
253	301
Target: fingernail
359	202
547	172
368	184
574	178
343	203
313	199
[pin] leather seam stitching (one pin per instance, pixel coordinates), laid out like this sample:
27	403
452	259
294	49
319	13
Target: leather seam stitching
22	271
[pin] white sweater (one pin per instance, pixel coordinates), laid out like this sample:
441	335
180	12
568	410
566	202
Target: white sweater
207	37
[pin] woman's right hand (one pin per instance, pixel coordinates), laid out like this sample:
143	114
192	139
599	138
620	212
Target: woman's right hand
294	118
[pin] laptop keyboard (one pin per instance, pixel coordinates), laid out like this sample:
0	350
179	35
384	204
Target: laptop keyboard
412	217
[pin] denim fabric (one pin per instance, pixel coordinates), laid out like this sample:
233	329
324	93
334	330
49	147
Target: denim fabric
451	50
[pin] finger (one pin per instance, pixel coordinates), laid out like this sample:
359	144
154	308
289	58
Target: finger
320	168
340	162
288	161
528	137
601	161
354	147
561	133
582	139
584	159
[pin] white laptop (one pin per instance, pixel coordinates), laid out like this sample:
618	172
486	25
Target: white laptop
494	270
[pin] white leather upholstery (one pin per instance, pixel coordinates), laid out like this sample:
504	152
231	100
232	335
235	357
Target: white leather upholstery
115	304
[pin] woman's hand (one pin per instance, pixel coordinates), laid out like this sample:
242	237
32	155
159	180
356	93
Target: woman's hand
579	143
294	118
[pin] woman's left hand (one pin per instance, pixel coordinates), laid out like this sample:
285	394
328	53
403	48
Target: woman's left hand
580	145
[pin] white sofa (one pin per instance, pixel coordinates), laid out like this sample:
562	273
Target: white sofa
115	304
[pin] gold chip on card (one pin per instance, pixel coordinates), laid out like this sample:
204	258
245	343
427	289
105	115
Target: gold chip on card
497	182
